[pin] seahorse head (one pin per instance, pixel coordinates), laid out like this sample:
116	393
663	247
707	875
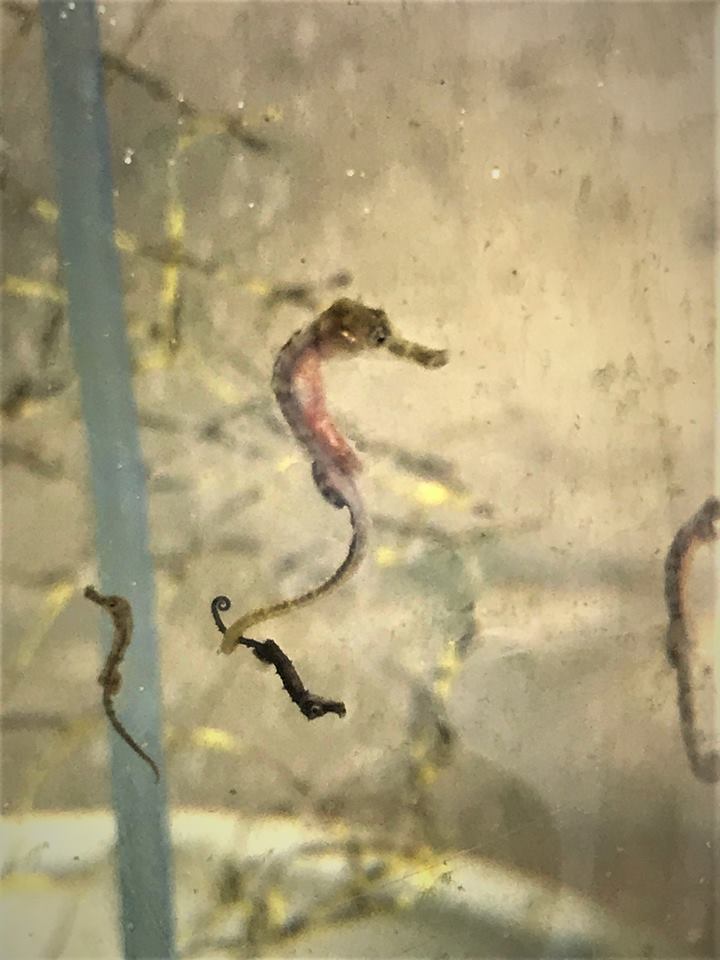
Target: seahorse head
349	327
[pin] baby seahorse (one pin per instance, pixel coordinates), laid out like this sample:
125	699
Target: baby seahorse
110	679
344	329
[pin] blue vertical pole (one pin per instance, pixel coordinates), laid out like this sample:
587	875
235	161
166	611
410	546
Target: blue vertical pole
97	328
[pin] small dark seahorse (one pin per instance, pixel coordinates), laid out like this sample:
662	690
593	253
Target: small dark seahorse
110	679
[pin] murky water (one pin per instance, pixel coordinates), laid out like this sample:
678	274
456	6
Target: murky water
528	188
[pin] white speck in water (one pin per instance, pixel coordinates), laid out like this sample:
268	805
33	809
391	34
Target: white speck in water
113	21
63	14
71	5
366	210
601	83
171	162
495	173
362	174
129	155
251	204
141	689
462	111
181	98
241	104
120	466
116	192
101	8
350	173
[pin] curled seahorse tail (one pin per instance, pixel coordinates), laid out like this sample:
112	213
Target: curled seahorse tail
353	558
219	605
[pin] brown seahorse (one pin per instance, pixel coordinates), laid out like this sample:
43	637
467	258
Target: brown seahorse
110	678
344	329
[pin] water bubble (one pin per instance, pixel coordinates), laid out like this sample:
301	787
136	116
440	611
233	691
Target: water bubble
129	155
63	14
350	173
251	204
71	5
495	173
241	104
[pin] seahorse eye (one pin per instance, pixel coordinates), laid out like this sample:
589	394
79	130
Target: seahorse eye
381	331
